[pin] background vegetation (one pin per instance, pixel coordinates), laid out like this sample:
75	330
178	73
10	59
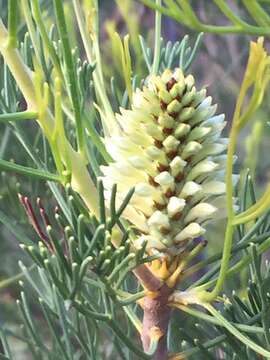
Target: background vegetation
220	65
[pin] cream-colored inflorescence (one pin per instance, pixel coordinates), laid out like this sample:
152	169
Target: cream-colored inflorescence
170	149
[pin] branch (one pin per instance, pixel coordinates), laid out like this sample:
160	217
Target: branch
81	181
147	278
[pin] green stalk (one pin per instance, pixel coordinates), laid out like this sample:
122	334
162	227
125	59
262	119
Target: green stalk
229	13
30	26
72	85
173	7
136	322
205	317
44	34
18	69
126	300
51	326
24	115
239	246
121	266
262	293
250	30
12	23
81	181
235	332
189	13
230	29
156	61
7	282
110	125
210	296
257	12
126	340
97	140
34	173
254	211
247	259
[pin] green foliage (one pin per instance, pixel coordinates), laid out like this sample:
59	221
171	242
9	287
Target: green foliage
80	259
184	11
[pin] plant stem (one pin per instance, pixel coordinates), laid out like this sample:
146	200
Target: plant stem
24	115
201	27
12	23
229	13
236	268
235	332
255	210
7	282
81	181
34	173
114	326
30	26
147	279
229	229
156	61
44	34
18	69
156	319
240	246
72	85
109	123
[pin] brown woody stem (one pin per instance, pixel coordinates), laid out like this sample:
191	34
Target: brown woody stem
147	278
156	319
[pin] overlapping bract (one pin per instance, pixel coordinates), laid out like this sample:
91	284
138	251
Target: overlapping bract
171	151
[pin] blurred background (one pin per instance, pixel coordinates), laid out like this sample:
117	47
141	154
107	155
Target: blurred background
219	66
